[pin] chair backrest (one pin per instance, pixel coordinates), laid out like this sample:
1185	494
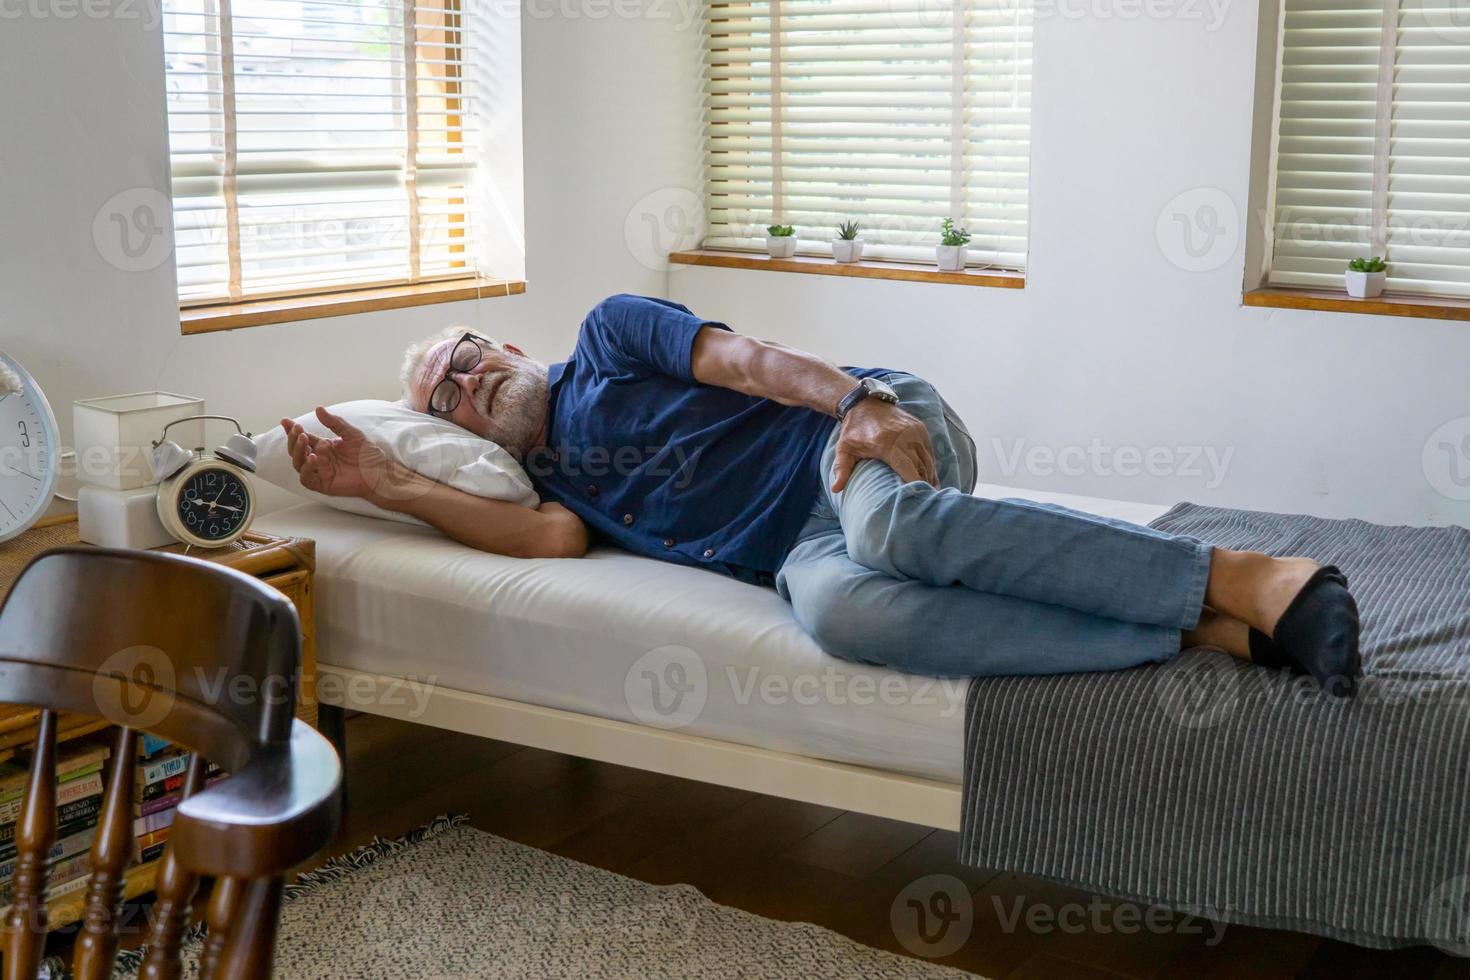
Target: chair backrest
200	654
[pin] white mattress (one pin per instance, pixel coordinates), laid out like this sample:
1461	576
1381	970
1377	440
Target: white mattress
584	636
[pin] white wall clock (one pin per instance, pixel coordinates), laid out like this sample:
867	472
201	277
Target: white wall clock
29	444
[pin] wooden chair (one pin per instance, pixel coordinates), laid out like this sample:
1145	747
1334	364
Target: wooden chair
204	656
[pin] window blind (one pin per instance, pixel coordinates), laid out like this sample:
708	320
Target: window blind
1373	144
317	145
896	113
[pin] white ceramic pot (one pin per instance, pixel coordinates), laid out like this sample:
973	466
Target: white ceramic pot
781	248
1364	285
951	258
847	250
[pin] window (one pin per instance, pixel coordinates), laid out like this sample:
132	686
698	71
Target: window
1372	148
896	113
318	145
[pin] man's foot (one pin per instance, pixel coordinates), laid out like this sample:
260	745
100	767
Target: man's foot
1319	632
1221	632
1279	582
1300	614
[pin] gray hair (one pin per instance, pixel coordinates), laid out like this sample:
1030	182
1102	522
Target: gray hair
415	355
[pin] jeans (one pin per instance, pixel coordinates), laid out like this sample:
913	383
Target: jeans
943	583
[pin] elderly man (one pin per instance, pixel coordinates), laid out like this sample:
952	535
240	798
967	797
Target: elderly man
847	489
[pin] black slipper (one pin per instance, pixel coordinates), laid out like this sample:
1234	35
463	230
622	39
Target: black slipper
1317	635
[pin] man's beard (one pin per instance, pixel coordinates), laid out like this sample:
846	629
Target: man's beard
519	410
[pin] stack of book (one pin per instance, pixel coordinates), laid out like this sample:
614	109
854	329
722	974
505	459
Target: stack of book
78	806
158	787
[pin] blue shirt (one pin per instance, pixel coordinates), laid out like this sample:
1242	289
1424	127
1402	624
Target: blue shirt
664	466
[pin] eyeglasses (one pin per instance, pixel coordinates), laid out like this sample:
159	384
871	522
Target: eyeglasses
466	355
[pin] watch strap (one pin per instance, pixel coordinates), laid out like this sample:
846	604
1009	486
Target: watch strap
857	394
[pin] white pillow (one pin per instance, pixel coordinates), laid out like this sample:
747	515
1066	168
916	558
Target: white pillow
427	445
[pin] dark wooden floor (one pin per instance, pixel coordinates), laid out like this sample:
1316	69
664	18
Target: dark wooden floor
809	863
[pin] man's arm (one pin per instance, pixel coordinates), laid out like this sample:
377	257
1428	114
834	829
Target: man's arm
550	531
352	466
872	430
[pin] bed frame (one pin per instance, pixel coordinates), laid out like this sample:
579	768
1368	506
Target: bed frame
793	777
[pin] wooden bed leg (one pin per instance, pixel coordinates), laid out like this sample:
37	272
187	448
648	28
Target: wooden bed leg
331	721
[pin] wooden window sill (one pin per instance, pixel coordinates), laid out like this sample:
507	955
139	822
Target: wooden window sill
820	266
1388	304
255	313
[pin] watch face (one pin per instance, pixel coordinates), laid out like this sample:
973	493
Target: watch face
213	503
881	390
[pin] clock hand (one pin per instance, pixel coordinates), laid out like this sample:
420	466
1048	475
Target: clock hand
204	503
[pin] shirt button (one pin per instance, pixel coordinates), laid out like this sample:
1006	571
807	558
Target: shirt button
628	519
592	490
556	457
709	552
668	542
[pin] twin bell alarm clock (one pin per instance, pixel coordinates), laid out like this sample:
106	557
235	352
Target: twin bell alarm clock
205	499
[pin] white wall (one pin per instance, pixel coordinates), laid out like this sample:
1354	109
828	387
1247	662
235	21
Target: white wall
1110	341
83	120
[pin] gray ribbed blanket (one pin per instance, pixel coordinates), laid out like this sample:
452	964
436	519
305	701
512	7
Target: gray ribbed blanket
1220	788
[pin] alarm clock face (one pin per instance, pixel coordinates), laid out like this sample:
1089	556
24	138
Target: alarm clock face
212	503
28	447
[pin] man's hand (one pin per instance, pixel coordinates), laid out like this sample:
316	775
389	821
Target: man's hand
874	429
347	466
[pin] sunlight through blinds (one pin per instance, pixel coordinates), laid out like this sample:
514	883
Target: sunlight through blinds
896	113
317	145
1373	144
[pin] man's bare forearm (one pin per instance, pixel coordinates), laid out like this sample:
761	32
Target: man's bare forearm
489	525
769	370
872	430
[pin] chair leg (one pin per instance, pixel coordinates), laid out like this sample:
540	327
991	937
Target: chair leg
224	899
35	832
251	945
174	890
112	852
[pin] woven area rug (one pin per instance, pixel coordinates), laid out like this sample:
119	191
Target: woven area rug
449	901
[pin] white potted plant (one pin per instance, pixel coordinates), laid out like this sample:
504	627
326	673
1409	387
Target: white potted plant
951	252
847	246
781	241
1365	277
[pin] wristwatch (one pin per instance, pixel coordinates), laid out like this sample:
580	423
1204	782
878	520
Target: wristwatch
866	388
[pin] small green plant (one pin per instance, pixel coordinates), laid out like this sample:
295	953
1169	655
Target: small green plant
1374	264
781	231
950	235
847	231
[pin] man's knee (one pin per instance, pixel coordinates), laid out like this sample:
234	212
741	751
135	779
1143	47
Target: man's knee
870	529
